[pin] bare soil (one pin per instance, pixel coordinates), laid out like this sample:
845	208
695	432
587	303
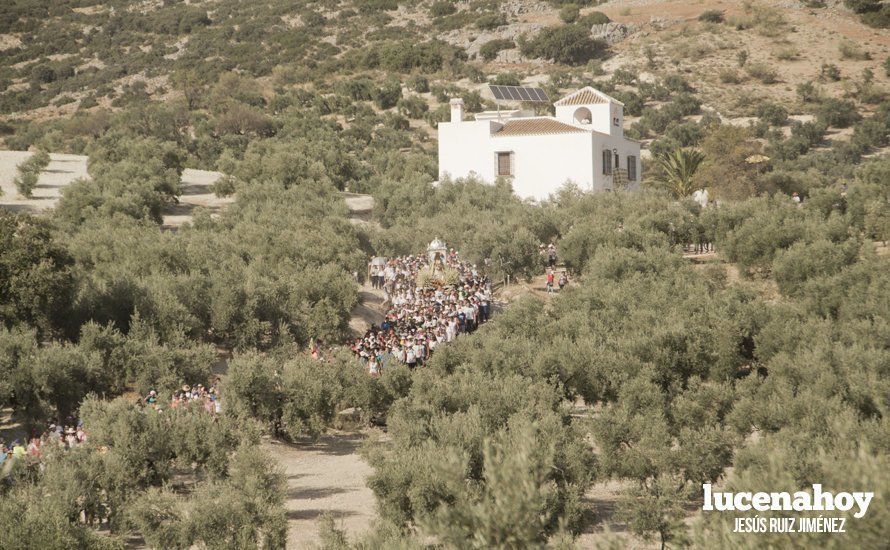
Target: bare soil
196	187
326	476
61	171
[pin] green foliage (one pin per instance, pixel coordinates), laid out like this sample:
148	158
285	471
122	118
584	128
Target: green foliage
36	281
830	71
50	381
490	49
712	16
513	506
506	231
879	19
441	8
568	44
417	479
224	279
772	114
569	13
388	95
849	50
29	171
803	261
300	397
490	21
838	113
419	84
862	6
136	178
762	72
593	18
678	170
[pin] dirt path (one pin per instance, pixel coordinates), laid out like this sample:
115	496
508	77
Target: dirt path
369	311
537	286
196	192
196	187
328	476
361	208
59	173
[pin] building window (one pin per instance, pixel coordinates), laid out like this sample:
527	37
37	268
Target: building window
631	168
607	163
616	121
617	161
505	164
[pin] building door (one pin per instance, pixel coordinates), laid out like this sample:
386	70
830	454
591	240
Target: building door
505	164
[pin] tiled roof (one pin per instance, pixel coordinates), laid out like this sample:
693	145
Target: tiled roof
536	126
585	96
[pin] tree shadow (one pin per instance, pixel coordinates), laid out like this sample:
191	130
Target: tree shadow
194	189
312	493
329	444
296	515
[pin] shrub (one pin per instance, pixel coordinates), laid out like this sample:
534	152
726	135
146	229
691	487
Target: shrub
593	18
863	6
787	54
418	83
569	13
43	74
29	171
387	95
879	19
772	113
441	8
489	21
569	44
413	107
804	261
887	66
830	71
849	50
808	93
224	186
490	49
711	16
729	76
25	183
763	72
838	113
811	132
624	75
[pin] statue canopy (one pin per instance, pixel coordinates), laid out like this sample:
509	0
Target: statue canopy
436	250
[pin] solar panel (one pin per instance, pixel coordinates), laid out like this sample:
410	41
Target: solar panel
518	93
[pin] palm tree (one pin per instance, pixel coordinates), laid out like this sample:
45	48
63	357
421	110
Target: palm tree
677	170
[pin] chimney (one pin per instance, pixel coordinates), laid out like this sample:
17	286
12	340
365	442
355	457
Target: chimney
457	109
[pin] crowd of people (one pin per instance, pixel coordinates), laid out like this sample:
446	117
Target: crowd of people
422	316
208	397
72	433
67	437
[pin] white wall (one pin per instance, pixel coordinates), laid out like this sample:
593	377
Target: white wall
602	117
543	163
464	147
625	147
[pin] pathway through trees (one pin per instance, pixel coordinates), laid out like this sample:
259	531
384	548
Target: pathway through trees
328	476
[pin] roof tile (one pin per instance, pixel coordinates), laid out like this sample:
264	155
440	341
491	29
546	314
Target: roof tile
536	126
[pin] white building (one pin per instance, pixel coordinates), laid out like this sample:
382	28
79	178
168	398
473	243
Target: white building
584	144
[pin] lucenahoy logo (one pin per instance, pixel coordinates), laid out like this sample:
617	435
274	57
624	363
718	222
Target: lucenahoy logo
800	501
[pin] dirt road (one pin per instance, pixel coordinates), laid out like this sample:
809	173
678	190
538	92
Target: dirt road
328	476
